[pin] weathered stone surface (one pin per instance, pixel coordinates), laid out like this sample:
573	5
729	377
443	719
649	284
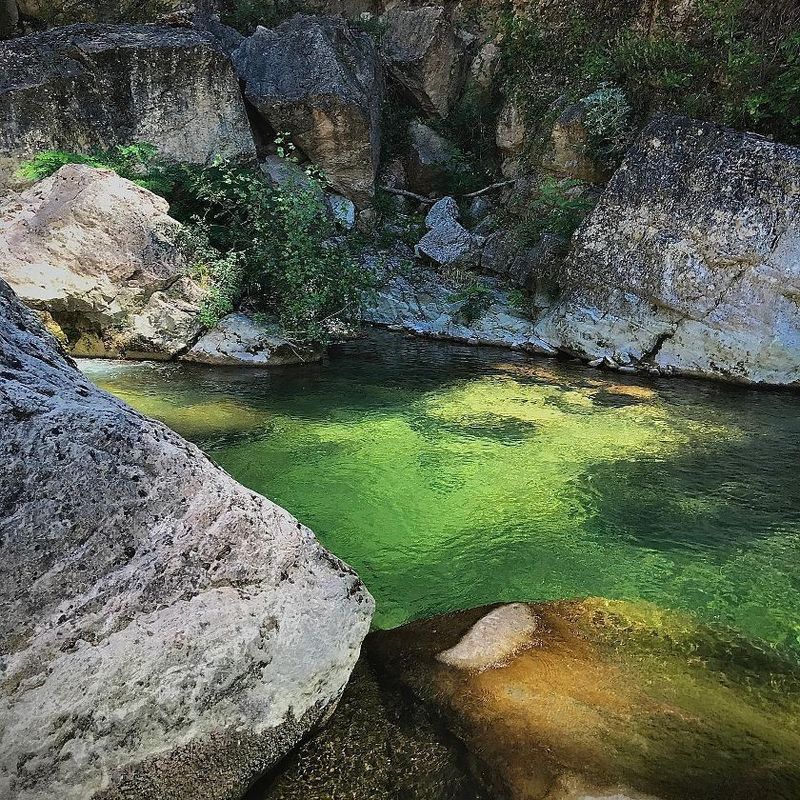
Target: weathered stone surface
427	304
429	161
526	267
568	154
238	340
86	87
95	252
427	55
510	137
691	260
448	243
582	700
441	212
320	80
165	632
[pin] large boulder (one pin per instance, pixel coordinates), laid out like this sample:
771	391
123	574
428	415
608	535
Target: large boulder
94	253
89	87
165	632
427	55
691	260
603	700
430	162
320	80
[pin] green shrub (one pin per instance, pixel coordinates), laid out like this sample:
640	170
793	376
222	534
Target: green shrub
558	209
475	298
274	249
608	124
247	15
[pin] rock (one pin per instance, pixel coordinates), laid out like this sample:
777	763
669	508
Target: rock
442	211
577	700
238	340
287	174
157	617
377	746
526	267
427	55
511	130
485	66
448	243
569	154
429	162
342	210
95	252
691	260
427	304
9	19
58	12
89	87
320	80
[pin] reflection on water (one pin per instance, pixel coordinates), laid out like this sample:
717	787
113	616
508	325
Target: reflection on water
451	477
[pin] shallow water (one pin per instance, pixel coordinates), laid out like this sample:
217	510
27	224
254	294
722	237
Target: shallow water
451	477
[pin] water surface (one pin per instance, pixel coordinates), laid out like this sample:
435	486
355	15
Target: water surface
451	477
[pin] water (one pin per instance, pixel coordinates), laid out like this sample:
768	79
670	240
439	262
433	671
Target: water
451	477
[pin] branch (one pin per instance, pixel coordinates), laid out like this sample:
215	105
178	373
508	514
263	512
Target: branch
404	193
490	188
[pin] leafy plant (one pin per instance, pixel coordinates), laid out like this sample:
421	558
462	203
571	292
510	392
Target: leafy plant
475	299
559	209
274	249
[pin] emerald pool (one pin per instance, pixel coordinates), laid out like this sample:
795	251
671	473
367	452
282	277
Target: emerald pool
451	477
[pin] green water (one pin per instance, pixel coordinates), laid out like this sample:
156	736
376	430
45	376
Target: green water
451	477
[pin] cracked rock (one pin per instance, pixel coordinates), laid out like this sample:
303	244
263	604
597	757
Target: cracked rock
691	260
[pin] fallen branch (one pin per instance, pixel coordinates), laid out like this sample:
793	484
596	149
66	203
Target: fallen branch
431	200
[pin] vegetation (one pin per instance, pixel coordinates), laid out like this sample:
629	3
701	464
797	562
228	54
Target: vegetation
246	15
559	209
273	249
475	298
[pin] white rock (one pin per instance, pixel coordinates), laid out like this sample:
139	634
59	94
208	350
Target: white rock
165	632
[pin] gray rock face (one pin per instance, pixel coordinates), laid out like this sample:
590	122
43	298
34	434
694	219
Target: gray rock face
426	304
530	268
239	341
448	243
95	253
86	87
165	633
427	55
691	260
429	161
442	211
320	80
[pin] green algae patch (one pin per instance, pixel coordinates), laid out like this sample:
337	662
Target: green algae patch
605	698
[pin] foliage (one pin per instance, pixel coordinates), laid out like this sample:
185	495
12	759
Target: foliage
608	124
273	248
475	298
247	15
559	209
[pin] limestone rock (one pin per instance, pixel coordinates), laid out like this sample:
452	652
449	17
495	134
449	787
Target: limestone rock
88	87
582	700
426	304
95	252
341	209
165	632
511	130
320	80
442	212
691	260
448	243
525	267
568	154
238	340
427	55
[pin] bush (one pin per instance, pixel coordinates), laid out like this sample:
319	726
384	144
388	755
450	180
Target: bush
559	209
274	249
475	299
608	124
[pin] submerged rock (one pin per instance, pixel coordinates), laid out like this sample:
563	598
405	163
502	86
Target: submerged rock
320	80
94	253
238	340
165	632
691	260
88	87
600	699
